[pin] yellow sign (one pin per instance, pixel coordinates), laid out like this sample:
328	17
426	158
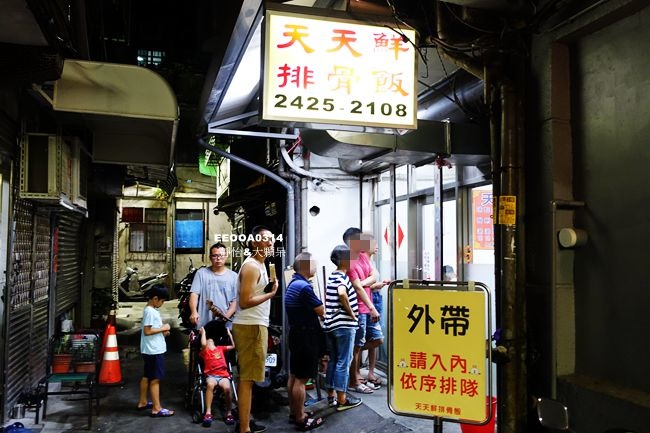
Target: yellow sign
508	209
438	355
337	71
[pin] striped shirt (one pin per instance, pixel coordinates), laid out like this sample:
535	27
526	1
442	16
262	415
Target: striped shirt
335	314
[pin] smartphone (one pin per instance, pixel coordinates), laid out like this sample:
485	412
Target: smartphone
269	287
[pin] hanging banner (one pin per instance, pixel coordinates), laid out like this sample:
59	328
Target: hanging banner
482	219
439	362
333	70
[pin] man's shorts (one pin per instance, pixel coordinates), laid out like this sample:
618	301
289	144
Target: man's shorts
251	342
304	352
154	366
367	331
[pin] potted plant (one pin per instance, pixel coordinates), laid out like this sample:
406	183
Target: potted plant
85	361
61	358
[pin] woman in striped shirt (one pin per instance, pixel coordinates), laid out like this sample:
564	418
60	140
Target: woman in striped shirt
341	315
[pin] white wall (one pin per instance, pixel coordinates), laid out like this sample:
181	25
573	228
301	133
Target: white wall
340	208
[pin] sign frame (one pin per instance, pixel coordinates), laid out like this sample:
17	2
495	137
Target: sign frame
434	287
337	113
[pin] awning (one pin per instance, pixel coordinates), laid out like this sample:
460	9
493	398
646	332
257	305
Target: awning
132	111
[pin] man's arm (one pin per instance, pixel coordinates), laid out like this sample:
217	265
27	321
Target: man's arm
194	314
232	309
363	296
372	278
320	310
248	278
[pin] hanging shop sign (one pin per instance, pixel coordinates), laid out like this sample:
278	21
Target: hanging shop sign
482	222
439	362
333	71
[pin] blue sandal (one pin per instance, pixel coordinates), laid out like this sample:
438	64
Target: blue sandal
162	413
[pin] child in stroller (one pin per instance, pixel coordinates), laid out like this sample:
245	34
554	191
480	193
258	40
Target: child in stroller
212	370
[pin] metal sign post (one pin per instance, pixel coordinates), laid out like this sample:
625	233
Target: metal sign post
439	353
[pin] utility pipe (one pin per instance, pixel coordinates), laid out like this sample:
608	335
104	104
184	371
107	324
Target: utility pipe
306	173
513	386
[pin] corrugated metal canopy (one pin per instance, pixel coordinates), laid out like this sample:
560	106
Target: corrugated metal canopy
131	110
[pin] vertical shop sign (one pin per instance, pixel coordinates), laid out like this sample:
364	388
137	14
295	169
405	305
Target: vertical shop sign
439	366
482	221
337	71
508	209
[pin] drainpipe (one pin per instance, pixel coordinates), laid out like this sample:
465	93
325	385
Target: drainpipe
512	392
291	222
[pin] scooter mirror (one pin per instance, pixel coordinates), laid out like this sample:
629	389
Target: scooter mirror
552	414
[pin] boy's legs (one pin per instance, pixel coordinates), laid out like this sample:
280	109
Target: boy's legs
225	387
154	391
209	394
144	389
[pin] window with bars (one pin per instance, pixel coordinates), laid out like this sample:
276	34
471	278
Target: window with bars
147	229
150	57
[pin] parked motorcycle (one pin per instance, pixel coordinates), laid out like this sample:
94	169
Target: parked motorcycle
133	288
555	416
182	289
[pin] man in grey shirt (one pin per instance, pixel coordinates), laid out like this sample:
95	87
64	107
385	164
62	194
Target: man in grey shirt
214	289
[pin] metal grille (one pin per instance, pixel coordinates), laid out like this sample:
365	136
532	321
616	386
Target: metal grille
39	339
17	351
41	263
22	254
68	281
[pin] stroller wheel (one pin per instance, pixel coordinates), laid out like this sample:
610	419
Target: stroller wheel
198	404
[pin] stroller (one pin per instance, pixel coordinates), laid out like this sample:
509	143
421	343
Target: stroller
197	383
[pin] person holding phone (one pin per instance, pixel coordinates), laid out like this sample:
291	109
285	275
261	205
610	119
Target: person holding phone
250	325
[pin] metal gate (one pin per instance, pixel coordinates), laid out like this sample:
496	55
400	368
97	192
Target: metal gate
67	248
27	312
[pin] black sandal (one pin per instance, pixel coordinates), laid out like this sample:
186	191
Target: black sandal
310	423
292	418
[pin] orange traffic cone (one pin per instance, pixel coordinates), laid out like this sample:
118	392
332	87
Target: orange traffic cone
110	371
110	320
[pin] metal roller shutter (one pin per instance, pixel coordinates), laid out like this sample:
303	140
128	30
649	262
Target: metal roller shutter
27	336
68	273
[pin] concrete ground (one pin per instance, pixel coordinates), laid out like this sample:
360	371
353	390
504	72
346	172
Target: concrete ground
117	403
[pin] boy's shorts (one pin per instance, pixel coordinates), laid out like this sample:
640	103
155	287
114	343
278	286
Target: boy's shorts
154	366
367	330
251	342
216	378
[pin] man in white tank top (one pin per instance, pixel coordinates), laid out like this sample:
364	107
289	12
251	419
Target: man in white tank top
250	325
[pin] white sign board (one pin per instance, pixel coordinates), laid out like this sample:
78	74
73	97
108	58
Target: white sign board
337	71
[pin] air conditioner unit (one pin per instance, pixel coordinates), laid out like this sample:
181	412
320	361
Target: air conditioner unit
53	168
